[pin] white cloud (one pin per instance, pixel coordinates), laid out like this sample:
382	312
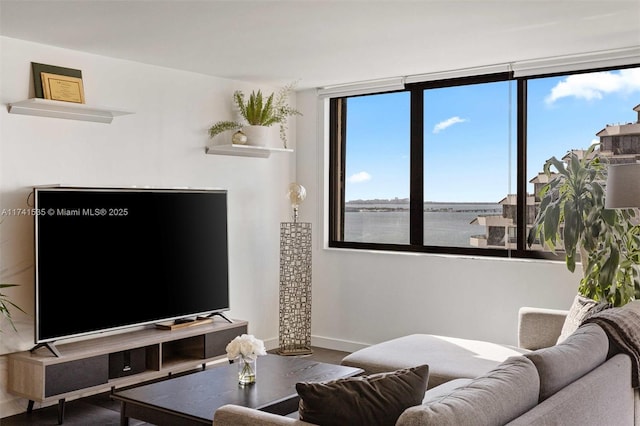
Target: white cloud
359	177
447	123
595	85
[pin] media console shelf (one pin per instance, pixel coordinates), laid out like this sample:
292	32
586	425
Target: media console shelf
104	363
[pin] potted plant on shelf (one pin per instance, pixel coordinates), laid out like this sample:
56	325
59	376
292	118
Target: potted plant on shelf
5	304
259	113
573	216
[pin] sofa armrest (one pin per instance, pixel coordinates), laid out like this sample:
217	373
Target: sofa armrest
539	327
235	415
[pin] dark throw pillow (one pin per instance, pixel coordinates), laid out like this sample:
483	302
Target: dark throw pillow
377	399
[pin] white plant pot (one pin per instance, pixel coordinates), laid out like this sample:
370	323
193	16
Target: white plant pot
258	135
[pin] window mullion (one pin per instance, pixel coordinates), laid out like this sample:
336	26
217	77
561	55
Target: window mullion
337	120
416	202
521	191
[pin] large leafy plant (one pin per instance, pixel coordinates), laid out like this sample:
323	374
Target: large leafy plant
6	304
573	216
259	110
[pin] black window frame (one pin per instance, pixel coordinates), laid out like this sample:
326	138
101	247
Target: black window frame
336	169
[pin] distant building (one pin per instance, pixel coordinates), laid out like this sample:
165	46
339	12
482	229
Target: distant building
619	143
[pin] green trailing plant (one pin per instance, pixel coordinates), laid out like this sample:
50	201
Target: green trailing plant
223	126
259	110
6	304
573	217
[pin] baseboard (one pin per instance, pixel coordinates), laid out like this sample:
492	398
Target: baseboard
322	342
271	344
10	408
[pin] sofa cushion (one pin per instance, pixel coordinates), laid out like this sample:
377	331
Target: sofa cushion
377	399
444	389
449	358
566	362
496	398
603	396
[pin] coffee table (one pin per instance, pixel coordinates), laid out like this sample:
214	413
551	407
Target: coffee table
193	399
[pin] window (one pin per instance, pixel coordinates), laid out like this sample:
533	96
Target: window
573	111
467	145
377	169
451	166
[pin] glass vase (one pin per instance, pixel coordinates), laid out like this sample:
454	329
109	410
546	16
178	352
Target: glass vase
246	370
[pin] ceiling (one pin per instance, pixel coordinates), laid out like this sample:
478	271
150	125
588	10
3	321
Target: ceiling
323	42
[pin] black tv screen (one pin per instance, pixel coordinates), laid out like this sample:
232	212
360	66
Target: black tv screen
113	258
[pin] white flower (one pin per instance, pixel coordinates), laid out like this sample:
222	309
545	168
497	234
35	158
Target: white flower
246	346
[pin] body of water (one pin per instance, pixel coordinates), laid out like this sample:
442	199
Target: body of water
445	224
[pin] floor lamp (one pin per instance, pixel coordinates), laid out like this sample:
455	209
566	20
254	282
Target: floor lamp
295	280
623	186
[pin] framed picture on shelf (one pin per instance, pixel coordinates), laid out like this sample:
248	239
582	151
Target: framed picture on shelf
38	69
62	88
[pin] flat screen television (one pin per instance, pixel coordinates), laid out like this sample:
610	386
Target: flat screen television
107	259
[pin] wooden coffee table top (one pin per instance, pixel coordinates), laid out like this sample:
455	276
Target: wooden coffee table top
199	395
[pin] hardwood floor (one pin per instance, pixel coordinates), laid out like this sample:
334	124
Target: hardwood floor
101	410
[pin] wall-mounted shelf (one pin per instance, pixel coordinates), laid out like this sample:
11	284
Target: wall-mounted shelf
69	110
244	150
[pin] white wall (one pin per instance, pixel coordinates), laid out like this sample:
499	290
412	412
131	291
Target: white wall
161	145
358	297
366	297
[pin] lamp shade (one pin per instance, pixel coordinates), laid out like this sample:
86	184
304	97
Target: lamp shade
623	186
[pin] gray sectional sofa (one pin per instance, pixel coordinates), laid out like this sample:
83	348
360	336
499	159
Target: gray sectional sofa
572	383
583	380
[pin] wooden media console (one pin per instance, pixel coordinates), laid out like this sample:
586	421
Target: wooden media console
108	362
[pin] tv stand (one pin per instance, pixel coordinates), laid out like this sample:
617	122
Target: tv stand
220	314
105	363
49	345
183	323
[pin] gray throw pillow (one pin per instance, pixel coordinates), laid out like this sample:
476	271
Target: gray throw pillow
377	399
581	309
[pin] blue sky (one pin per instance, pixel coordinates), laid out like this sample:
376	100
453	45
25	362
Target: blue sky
470	134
